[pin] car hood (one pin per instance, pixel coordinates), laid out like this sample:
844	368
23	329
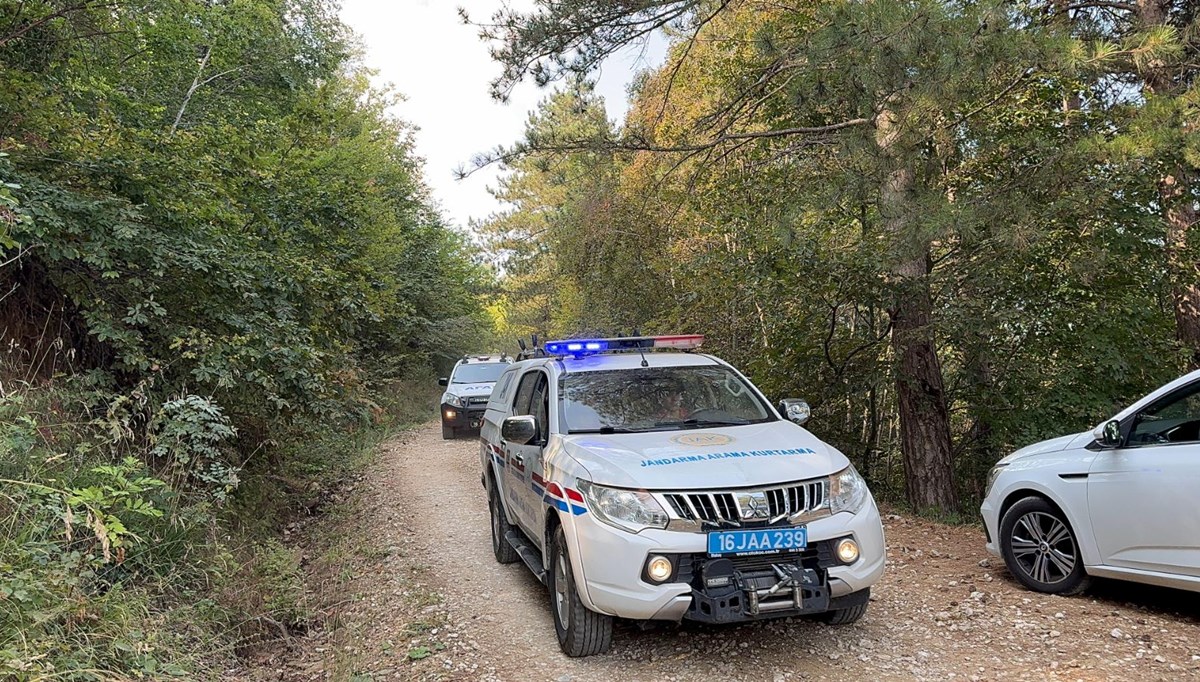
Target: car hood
470	390
1049	446
728	457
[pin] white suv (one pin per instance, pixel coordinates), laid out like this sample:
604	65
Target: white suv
663	486
1121	501
467	391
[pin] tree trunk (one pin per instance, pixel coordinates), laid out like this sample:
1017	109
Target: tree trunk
1179	213
1176	202
920	392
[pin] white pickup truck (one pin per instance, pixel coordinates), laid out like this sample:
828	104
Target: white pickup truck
655	485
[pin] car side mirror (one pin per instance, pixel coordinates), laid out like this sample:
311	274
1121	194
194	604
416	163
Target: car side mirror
443	382
1109	434
519	430
795	410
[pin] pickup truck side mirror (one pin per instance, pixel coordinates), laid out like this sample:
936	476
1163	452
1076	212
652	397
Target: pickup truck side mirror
443	382
796	410
519	430
1108	434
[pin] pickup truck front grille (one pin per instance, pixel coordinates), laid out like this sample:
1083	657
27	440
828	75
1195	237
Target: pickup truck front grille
728	507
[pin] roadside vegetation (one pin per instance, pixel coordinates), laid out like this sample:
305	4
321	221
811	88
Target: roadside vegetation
222	281
956	228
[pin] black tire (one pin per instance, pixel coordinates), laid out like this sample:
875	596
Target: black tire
448	432
848	615
586	632
1040	548
504	552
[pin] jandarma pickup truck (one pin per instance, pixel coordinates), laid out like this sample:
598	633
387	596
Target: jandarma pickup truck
640	479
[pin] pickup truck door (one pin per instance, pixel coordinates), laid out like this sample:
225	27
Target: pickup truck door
519	459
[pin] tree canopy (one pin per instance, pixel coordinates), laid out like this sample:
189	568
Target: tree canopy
955	227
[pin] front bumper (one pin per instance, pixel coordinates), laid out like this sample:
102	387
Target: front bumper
610	564
991	525
462	417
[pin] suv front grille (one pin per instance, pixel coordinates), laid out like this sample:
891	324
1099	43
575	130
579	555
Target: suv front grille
478	401
722	508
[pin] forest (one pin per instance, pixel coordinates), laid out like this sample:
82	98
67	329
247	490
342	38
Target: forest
222	277
954	227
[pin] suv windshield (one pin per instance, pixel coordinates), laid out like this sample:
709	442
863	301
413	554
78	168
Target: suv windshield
658	399
481	373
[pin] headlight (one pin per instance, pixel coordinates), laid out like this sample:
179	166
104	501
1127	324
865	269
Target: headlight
451	399
847	491
631	510
992	476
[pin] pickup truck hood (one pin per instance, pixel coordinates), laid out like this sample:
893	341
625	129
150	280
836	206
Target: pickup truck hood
728	457
471	390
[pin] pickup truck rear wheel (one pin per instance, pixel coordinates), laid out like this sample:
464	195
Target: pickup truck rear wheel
503	551
581	632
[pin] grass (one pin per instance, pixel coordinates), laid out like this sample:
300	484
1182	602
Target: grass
144	577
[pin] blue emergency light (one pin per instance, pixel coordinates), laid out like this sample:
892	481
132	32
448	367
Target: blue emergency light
578	347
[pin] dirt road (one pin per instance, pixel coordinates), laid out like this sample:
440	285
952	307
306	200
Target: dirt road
410	591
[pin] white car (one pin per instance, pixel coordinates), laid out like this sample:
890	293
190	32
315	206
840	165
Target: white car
468	389
663	486
1121	501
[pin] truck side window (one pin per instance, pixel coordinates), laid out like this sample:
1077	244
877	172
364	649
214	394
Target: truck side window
541	409
525	393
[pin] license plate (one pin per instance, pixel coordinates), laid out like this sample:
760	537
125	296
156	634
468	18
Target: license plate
766	541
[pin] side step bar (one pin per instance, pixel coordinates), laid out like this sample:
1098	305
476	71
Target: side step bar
528	554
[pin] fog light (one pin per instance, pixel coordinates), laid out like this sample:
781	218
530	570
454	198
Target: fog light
659	568
847	551
450	414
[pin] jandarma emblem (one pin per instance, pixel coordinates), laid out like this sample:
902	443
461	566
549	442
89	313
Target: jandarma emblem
701	440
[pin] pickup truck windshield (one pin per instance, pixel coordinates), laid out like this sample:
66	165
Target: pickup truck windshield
658	399
482	373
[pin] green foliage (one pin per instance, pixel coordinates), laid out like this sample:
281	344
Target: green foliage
751	195
189	433
217	256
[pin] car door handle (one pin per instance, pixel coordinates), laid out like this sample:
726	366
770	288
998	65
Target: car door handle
518	459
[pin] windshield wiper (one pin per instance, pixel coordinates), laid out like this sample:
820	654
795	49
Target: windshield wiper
685	423
605	429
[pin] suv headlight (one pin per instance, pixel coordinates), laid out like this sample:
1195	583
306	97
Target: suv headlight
631	510
847	491
451	399
992	476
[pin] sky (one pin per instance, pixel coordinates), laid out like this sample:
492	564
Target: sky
422	48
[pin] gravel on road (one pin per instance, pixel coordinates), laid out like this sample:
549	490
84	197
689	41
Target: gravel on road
409	589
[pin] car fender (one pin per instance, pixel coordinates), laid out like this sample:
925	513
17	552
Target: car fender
1068	494
562	469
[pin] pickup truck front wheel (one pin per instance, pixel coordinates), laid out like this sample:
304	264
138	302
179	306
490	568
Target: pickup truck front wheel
581	632
504	552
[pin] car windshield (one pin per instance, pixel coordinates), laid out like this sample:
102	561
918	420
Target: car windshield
658	399
480	373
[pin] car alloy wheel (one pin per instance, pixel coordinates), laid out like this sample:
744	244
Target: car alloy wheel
561	597
1043	548
1040	548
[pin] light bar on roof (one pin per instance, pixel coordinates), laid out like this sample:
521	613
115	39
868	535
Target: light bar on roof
579	347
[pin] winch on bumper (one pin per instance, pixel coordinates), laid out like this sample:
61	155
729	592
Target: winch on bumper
733	589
